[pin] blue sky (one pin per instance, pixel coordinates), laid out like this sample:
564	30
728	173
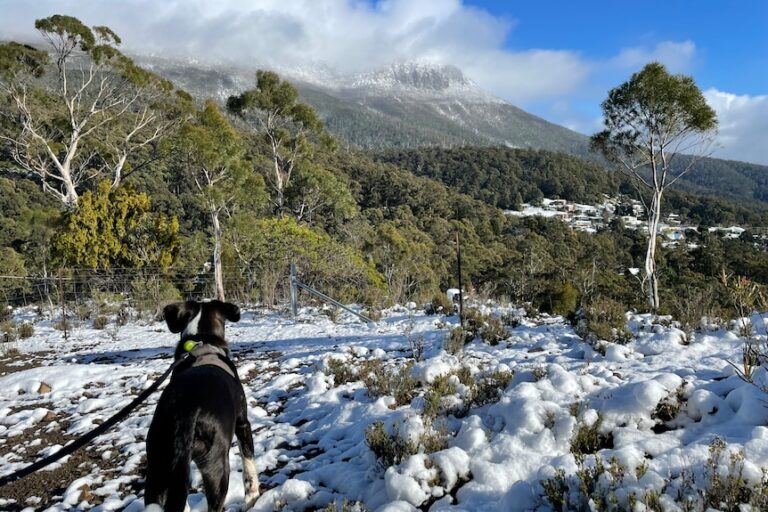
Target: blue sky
556	59
731	37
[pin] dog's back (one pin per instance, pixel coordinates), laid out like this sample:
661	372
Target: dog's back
197	416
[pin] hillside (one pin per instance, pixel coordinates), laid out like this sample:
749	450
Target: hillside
411	105
505	177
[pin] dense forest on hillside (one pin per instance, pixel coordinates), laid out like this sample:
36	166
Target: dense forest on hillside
506	177
178	196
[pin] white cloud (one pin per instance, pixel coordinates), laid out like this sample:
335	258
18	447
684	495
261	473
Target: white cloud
677	56
355	35
743	125
349	35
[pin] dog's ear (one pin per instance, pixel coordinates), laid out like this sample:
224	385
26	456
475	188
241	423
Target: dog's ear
229	310
178	315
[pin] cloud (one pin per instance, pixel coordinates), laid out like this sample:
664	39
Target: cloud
348	35
677	56
743	125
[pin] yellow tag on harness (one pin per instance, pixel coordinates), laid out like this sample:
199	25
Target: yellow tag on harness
190	345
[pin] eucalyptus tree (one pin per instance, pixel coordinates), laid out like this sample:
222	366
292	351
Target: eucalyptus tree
80	108
287	128
213	153
648	121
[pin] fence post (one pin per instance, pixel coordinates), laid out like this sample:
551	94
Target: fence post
461	288
294	291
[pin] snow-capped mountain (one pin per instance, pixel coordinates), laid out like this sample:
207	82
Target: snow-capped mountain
404	104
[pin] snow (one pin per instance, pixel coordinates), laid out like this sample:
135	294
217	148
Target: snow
309	430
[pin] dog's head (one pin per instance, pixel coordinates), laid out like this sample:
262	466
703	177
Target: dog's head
200	321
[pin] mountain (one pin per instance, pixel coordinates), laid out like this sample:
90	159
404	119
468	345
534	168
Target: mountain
406	105
414	104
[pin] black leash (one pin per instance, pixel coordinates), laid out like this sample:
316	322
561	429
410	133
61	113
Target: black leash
90	436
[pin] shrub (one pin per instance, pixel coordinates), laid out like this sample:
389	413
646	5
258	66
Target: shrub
8	331
344	506
433	399
456	339
603	319
397	382
26	330
333	313
489	328
372	313
83	312
493	331
565	299
6	312
342	370
441	305
591	488
100	322
390	449
588	439
490	387
63	325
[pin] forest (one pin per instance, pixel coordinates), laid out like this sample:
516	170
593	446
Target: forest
115	181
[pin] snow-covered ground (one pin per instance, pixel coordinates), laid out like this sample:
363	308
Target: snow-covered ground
310	431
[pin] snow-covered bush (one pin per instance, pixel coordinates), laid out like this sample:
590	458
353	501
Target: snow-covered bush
456	339
8	331
394	447
588	438
344	506
26	330
343	371
100	322
440	305
721	483
603	319
396	382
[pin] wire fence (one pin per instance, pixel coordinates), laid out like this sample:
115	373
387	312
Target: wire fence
145	287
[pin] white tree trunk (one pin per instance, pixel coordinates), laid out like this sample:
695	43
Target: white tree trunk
651	277
218	272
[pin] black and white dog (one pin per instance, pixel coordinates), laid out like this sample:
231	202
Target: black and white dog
199	411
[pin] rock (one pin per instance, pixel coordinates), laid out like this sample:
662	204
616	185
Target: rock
44	388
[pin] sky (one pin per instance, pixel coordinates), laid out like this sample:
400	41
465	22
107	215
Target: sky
556	59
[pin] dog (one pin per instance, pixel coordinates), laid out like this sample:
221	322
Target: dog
198	413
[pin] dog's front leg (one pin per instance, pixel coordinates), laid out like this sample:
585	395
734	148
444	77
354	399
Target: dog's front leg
245	441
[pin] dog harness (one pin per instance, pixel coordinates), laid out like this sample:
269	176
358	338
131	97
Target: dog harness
205	354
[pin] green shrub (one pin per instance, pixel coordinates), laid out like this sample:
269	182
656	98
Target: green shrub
343	371
344	506
591	488
84	312
8	331
603	319
589	439
100	322
440	388
488	327
390	449
441	305
26	330
565	299
456	339
6	312
396	382
489	388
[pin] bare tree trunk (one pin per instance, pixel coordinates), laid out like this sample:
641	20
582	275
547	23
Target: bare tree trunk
652	283
218	272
